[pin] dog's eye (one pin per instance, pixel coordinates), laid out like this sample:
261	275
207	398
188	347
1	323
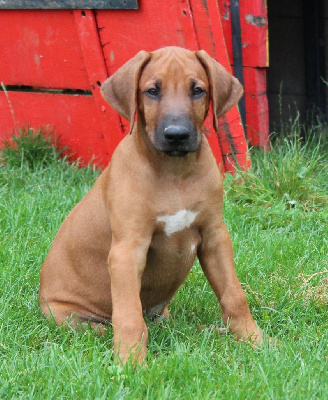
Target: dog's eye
198	92
153	92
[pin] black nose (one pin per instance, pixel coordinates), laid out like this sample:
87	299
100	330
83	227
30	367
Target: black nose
176	134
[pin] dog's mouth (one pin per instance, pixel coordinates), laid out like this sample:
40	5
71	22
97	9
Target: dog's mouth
176	153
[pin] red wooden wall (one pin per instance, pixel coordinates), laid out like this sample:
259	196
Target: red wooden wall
52	63
255	56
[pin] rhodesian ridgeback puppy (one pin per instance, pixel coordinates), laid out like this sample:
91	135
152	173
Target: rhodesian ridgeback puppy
125	249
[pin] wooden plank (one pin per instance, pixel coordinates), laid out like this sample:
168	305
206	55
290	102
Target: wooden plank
225	15
257	110
237	54
74	117
69	4
232	139
209	32
109	121
153	25
254	30
254	27
210	37
41	49
232	161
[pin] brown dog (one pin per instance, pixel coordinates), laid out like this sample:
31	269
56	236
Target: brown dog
125	249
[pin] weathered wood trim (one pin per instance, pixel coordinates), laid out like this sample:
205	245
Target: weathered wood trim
87	29
69	4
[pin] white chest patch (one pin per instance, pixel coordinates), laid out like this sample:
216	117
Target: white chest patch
177	222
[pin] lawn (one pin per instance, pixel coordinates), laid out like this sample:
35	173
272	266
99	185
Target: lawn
277	216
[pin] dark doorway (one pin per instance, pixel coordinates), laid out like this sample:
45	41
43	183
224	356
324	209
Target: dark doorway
298	37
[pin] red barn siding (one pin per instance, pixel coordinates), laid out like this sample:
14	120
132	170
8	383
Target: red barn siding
254	38
51	51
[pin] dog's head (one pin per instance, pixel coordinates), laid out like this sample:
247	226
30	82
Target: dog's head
171	89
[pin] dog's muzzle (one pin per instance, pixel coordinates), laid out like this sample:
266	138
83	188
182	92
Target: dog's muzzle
176	136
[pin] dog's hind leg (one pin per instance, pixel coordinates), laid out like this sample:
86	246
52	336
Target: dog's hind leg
73	315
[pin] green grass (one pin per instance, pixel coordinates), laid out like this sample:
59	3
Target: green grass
31	147
280	241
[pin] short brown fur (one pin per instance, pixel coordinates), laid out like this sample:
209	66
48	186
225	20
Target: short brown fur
113	260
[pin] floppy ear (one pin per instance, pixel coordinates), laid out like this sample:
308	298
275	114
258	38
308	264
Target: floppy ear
225	90
121	89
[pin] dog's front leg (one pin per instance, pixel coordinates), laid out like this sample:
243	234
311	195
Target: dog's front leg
127	261
216	258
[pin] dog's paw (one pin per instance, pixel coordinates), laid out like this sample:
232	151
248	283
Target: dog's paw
259	340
